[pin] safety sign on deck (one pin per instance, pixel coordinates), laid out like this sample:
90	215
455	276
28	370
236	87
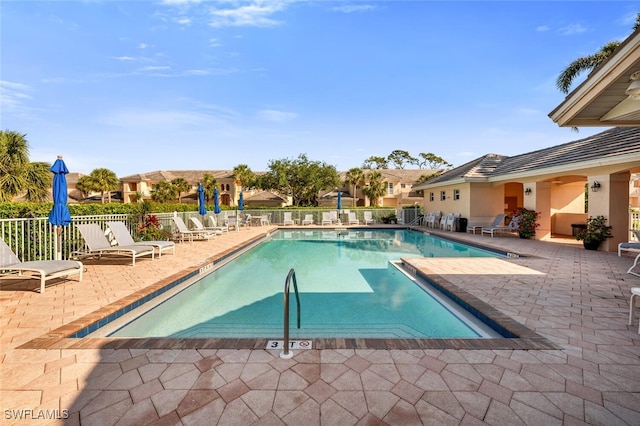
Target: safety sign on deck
293	344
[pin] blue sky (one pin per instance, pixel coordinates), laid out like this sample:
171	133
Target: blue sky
137	86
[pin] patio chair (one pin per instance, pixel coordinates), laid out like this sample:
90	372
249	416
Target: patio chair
333	214
368	218
123	237
216	226
287	220
632	246
326	218
43	270
265	219
183	232
308	219
498	221
493	230
352	219
97	245
200	227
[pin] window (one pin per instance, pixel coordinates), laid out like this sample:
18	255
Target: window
431	196
403	186
389	188
443	195
456	194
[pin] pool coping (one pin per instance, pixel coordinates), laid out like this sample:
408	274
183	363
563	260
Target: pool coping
60	338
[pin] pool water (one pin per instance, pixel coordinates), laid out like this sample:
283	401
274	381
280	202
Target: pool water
346	283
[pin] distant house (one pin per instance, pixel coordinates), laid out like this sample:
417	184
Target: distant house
143	183
399	185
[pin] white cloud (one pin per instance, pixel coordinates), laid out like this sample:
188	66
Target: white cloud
276	116
13	97
124	58
542	28
257	14
355	8
214	42
572	29
183	20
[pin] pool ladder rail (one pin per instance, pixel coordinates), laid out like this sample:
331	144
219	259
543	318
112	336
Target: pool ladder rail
291	276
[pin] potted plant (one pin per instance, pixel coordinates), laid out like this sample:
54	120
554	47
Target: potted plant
390	219
527	221
595	233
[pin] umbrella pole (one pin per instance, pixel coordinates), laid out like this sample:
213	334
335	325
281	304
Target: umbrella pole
57	243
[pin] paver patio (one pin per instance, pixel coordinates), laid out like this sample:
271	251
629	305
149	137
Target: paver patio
576	299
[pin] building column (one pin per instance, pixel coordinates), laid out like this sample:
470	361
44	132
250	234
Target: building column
611	200
540	201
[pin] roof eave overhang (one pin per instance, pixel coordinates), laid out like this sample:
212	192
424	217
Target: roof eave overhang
620	162
566	114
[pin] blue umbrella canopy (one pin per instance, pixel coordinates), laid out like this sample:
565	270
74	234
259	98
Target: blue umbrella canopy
241	202
202	208
216	201
339	200
59	215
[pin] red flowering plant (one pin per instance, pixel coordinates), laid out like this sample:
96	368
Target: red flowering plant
527	221
151	229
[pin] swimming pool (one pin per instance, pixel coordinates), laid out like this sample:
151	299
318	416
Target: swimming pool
348	283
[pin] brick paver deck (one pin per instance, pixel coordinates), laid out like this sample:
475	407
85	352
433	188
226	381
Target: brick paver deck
576	299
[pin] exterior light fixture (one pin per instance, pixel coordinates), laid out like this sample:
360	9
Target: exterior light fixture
633	91
596	186
527	191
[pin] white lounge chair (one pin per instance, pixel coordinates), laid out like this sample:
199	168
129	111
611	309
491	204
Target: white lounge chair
368	218
183	232
123	237
216	226
200	227
265	219
493	230
43	270
326	218
498	221
287	220
308	219
333	214
96	244
632	246
352	219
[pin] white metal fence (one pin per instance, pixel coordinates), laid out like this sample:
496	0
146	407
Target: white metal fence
33	238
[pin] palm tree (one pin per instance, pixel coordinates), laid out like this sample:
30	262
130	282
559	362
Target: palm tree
375	188
209	183
104	180
353	177
588	63
19	176
163	192
181	186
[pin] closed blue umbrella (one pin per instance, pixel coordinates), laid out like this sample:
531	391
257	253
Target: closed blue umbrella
216	201
59	215
202	208
339	200
241	202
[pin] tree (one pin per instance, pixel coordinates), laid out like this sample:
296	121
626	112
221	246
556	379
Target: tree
374	189
375	162
209	183
243	174
19	176
163	192
104	181
300	179
353	177
85	185
432	161
400	158
588	63
181	186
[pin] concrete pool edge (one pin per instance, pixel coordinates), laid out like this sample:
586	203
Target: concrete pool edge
63	337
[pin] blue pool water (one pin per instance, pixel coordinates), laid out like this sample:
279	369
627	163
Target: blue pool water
347	286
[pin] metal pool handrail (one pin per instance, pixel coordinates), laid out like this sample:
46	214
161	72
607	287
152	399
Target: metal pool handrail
287	284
